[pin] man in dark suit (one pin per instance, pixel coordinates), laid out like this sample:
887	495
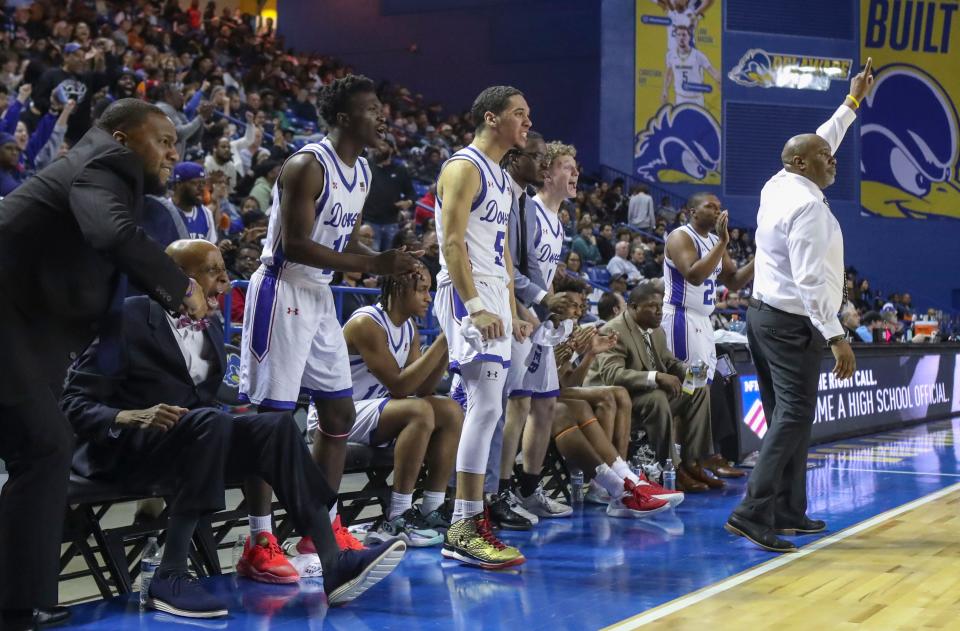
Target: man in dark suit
157	418
69	239
642	363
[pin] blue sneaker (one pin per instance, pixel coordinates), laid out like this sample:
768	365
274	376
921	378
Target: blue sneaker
359	570
180	594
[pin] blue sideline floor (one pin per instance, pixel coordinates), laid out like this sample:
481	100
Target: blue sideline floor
588	571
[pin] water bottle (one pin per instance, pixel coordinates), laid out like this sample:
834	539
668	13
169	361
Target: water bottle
238	549
576	486
149	562
699	370
636	465
669	476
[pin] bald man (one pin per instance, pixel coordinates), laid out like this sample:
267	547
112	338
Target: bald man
158	419
797	294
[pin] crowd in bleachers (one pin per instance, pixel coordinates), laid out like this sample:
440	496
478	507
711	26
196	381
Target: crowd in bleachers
242	104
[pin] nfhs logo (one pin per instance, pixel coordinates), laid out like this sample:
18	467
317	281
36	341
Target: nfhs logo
293	311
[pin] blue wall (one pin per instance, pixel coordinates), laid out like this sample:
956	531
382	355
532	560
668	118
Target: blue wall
548	49
918	256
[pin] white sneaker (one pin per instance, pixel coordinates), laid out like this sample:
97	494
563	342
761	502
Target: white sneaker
539	504
596	495
516	505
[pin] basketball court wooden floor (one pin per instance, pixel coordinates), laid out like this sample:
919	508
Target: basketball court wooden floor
889	560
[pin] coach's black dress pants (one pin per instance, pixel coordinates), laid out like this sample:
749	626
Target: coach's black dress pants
208	446
786	350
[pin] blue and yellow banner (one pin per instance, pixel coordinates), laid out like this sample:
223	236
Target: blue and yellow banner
909	123
677	106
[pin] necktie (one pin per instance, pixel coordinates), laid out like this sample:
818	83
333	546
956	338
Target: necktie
648	349
186	321
522	243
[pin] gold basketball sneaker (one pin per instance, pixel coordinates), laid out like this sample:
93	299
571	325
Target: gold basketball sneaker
472	541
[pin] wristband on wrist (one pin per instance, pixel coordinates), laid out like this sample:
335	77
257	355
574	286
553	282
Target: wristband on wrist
854	99
836	338
473	305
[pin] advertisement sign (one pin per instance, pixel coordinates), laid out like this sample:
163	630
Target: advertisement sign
886	389
909	123
758	68
677	102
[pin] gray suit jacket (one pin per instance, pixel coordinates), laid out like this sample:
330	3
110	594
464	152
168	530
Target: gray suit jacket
625	364
528	283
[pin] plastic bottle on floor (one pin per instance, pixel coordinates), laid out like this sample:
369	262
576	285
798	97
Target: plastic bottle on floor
576	486
669	476
149	562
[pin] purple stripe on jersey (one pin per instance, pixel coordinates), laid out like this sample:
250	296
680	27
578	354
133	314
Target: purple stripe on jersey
321	394
680	333
454	366
243	397
356	362
263	312
677	286
483	181
459	309
545	395
520	394
323	196
502	186
336	164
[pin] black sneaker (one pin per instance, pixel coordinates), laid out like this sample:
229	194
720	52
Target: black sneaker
180	594
503	516
359	570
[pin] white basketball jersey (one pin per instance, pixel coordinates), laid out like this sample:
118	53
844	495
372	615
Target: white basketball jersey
688	17
489	214
686	69
337	210
682	294
399	339
548	240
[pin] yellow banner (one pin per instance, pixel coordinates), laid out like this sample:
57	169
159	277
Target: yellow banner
677	104
909	124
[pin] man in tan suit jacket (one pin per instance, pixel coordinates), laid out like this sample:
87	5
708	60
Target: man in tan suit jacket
642	363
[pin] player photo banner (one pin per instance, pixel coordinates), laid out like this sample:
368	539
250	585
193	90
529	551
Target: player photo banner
677	106
909	124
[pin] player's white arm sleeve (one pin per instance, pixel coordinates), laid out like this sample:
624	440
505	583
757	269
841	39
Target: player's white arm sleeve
834	129
807	242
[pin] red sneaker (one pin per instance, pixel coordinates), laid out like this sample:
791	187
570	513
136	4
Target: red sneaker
635	503
345	540
264	561
655	490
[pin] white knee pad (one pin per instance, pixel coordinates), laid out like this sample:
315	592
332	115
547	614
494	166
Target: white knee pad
483	383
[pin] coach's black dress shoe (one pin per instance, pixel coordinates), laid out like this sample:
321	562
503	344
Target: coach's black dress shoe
808	527
758	534
28	619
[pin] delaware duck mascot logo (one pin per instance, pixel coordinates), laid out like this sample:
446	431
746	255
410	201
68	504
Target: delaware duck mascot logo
754	70
680	144
909	147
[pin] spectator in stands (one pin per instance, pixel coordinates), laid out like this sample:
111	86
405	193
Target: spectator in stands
11	174
610	305
188	179
430	165
391	191
367	236
905	312
734	303
169	98
619	264
394	396
641	215
569	227
246	260
574	266
168	384
864	299
666	211
586	244
871	329
638	256
221	159
735	247
618	283
642	363
266	173
353	300
226	216
605	243
850	319
73	79
653	265
681	220
431	256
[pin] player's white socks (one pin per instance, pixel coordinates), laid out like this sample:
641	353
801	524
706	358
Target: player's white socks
465	509
399	503
623	470
261	523
609	480
432	500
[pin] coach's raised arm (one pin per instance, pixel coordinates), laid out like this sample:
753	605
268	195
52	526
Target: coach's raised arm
70	238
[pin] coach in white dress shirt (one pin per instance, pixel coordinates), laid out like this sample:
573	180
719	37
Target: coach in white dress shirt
798	290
